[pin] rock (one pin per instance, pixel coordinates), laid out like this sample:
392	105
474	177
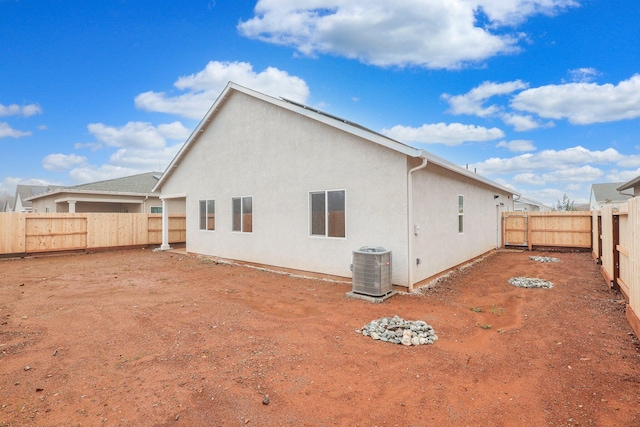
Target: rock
406	338
396	330
527	282
265	400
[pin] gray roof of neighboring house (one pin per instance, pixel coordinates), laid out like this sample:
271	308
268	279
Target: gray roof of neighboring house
532	202
329	119
630	184
6	204
140	184
608	193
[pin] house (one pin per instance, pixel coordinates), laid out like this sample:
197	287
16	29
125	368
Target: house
606	194
273	182
21	201
525	204
6	204
630	188
129	194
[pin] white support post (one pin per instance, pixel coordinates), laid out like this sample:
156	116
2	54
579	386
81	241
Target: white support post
165	226
72	206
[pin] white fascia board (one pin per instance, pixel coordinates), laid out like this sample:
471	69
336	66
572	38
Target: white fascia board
629	184
102	200
174	196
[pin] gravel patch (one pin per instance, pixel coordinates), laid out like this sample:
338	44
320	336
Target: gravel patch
396	330
527	282
544	259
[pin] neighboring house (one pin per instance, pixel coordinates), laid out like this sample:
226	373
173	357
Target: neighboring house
6	204
21	201
273	182
131	194
606	194
631	188
524	204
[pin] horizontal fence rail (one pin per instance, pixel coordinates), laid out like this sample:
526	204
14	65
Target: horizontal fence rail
25	233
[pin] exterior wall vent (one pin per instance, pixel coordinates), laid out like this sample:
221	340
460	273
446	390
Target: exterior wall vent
372	271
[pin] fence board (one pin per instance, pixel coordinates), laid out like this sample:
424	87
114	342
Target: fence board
515	229
623	273
43	232
558	229
595	235
12	232
633	308
607	243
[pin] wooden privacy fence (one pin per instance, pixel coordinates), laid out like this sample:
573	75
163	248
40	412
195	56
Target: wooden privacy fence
25	233
616	246
547	229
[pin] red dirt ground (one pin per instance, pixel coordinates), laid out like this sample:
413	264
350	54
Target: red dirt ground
137	338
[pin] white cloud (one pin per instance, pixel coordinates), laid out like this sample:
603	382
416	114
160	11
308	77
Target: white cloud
20	110
145	160
511	12
8	131
427	33
443	133
528	178
203	88
583	103
549	160
586	173
59	162
517	145
632	161
522	122
583	75
138	134
472	102
622	176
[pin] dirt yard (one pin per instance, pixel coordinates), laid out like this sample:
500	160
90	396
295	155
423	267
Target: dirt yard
137	338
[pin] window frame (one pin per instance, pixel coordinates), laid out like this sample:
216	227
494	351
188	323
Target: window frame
204	225
460	214
158	209
243	218
326	217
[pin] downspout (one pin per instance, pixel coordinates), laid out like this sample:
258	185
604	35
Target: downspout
410	219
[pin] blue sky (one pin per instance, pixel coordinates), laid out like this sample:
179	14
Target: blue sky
542	96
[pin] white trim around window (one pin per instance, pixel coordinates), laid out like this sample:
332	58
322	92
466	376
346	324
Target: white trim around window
207	215
328	213
242	214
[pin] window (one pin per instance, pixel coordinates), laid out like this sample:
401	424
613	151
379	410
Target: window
327	213
207	215
242	208
460	213
156	209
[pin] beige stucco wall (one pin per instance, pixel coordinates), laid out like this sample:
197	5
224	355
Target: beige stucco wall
252	148
438	244
95	203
